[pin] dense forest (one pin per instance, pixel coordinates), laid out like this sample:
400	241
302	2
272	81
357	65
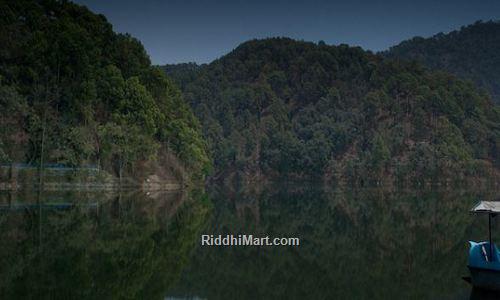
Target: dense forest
284	107
74	92
473	52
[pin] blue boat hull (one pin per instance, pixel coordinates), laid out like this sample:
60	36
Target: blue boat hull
485	278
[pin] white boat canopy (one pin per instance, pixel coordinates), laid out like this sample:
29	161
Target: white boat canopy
491	207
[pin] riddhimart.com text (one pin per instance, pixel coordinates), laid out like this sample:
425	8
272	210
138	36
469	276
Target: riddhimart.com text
247	240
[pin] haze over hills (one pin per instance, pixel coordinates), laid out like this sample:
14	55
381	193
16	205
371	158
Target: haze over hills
280	106
473	52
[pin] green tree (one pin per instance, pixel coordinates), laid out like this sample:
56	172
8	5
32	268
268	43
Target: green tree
123	144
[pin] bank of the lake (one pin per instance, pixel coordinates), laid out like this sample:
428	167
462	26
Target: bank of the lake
60	177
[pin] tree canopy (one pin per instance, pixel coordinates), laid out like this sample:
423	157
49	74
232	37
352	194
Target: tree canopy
75	92
470	53
281	106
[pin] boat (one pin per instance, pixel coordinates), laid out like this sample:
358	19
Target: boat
484	257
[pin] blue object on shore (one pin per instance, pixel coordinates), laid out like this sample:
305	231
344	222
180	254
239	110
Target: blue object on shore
484	257
48	206
50	167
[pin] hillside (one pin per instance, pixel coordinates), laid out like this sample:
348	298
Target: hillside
473	52
279	107
73	92
182	73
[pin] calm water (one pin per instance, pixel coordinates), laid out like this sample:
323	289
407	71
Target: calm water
355	244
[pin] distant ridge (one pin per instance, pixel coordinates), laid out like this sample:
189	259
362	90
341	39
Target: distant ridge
473	52
278	106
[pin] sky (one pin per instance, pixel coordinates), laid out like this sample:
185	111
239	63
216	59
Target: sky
176	31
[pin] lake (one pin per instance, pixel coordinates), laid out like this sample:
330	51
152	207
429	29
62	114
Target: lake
354	244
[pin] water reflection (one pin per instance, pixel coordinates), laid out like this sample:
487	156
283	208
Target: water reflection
362	244
355	244
478	294
99	246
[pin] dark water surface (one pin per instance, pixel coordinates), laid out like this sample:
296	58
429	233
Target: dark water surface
354	244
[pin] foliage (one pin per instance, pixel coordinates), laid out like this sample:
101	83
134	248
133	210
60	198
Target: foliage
68	83
124	145
470	53
13	109
296	108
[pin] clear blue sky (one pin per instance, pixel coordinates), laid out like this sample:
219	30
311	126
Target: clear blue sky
175	31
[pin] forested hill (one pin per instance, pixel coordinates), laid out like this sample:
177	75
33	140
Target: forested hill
473	52
74	92
284	107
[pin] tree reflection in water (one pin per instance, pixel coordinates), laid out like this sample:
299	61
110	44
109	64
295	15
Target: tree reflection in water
355	244
129	246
